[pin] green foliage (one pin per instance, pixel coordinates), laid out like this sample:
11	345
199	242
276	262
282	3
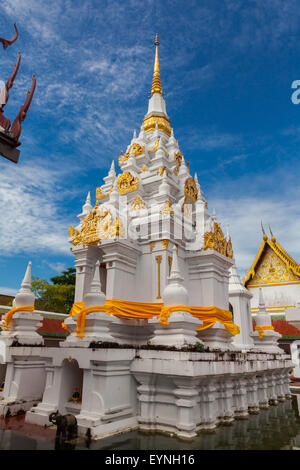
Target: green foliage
198	347
56	297
67	278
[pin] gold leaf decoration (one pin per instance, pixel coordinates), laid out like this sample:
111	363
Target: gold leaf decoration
165	244
167	209
126	183
178	157
96	226
272	270
216	241
161	170
190	190
100	195
155	146
163	123
136	149
137	203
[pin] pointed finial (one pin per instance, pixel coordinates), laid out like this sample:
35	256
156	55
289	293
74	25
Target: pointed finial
156	84
227	232
26	283
112	171
175	271
272	236
263	231
87	205
96	284
25	296
134	134
261	300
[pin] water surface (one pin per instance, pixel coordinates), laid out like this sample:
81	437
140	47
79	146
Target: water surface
277	428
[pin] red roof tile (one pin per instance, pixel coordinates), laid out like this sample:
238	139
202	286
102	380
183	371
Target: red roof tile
52	325
284	328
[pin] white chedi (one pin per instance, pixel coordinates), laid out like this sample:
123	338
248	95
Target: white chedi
265	339
97	323
25	297
95	296
181	330
24	324
175	293
262	318
164	188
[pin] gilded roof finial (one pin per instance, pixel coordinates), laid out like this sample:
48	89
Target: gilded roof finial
272	236
156	85
263	231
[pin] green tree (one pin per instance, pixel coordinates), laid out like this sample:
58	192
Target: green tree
67	277
56	297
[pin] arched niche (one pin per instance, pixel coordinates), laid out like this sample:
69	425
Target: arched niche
72	378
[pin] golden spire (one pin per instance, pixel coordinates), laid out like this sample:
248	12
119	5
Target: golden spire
263	231
156	85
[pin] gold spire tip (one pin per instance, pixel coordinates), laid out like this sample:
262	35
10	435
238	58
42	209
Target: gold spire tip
263	231
156	84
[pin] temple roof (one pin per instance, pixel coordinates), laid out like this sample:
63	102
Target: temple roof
267	244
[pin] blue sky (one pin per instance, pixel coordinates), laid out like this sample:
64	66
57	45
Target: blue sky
226	69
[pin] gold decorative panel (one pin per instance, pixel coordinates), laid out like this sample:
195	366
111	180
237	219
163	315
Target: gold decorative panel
96	226
167	209
126	183
272	270
190	190
178	157
155	146
216	241
137	203
163	123
136	149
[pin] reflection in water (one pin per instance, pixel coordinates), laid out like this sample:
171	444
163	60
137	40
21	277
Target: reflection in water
275	428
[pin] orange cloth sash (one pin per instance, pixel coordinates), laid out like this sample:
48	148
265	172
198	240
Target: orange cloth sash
261	330
138	310
9	315
209	316
76	308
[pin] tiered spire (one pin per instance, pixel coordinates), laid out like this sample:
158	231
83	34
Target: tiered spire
156	84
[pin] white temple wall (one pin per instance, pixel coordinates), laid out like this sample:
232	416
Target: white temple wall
121	261
85	264
208	280
242	317
278	295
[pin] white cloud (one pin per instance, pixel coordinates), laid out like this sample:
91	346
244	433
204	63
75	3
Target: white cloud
29	206
8	291
244	215
58	267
